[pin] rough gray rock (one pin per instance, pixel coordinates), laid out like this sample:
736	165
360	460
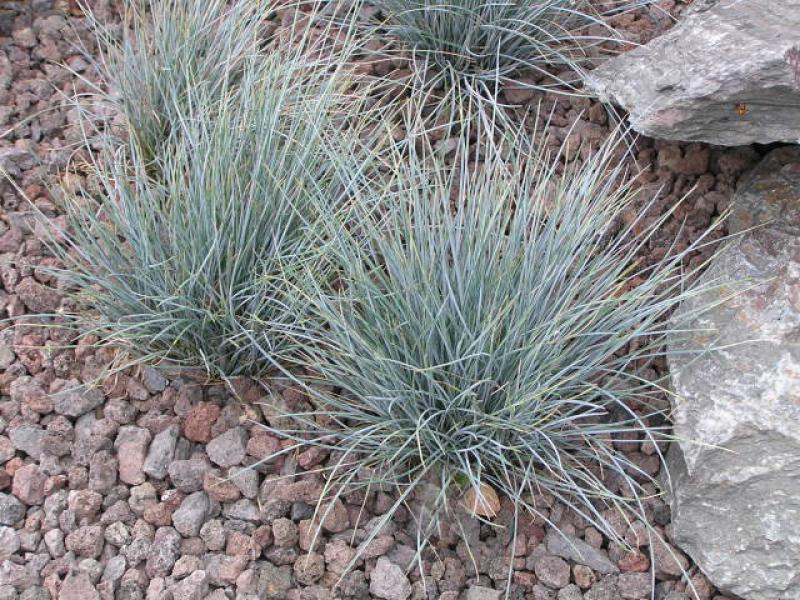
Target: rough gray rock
388	581
78	586
11	510
164	552
213	534
736	484
229	448
245	480
570	592
605	589
634	586
36	592
54	542
728	74
552	571
274	582
161	452
76	399
769	194
479	592
6	449
576	550
114	569
153	380
9	542
7	356
131	445
243	510
193	587
28	438
189	518
187	475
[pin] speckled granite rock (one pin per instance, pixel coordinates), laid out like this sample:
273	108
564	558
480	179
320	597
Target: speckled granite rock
736	500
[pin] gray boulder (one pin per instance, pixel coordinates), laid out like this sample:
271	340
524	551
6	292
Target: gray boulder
770	194
736	480
728	74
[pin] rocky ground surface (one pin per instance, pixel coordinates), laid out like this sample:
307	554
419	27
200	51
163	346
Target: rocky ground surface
140	488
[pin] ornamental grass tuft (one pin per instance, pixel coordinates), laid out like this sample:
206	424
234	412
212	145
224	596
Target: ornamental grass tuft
488	332
169	56
182	250
474	48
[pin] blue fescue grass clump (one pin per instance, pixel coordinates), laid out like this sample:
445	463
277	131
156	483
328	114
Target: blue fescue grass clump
476	47
487	329
170	55
183	253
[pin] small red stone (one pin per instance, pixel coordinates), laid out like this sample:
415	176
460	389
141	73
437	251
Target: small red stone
14	464
634	562
219	488
261	444
29	484
263	536
240	544
311	457
159	515
198	423
525	579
